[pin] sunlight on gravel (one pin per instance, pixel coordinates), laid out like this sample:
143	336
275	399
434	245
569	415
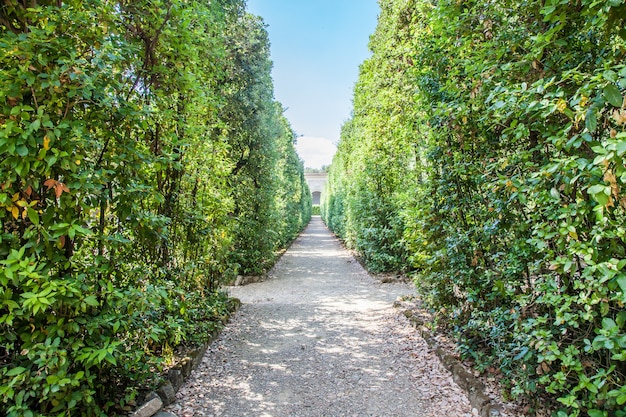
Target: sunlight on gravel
320	338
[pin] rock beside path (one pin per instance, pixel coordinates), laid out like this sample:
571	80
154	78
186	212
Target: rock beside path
149	408
320	337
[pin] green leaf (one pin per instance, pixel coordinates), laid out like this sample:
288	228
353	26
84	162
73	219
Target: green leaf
554	193
35	125
621	281
591	121
78	230
51	160
621	147
16	371
33	216
598	189
110	358
601	198
608	323
21	150
91	300
596	413
610	75
11	305
612	95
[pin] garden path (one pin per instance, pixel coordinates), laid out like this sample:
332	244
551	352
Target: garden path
320	338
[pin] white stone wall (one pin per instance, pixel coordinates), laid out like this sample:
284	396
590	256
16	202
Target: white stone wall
316	182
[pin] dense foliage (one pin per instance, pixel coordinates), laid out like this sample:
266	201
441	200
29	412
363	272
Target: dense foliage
486	154
143	162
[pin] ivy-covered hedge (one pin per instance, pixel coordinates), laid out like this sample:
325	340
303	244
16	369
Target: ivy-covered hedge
143	162
486	153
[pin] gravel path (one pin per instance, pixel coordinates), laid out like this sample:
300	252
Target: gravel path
319	338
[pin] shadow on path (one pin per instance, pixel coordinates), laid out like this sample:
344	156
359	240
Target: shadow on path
319	338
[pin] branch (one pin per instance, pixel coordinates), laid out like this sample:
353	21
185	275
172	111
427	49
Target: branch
150	48
5	22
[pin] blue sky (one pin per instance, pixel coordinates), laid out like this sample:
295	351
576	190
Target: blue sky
317	47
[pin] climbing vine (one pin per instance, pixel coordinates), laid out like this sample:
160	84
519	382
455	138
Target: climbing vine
122	191
486	156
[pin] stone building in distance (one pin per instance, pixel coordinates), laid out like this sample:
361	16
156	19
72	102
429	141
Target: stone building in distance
316	182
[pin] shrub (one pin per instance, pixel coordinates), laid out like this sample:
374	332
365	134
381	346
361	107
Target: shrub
119	217
497	137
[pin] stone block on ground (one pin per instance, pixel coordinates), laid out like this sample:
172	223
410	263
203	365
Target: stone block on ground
152	406
176	378
165	414
197	356
167	393
186	366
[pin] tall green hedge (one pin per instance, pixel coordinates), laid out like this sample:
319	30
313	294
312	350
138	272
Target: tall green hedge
136	138
486	155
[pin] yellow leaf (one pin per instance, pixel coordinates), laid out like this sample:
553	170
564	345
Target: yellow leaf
15	212
46	142
561	105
